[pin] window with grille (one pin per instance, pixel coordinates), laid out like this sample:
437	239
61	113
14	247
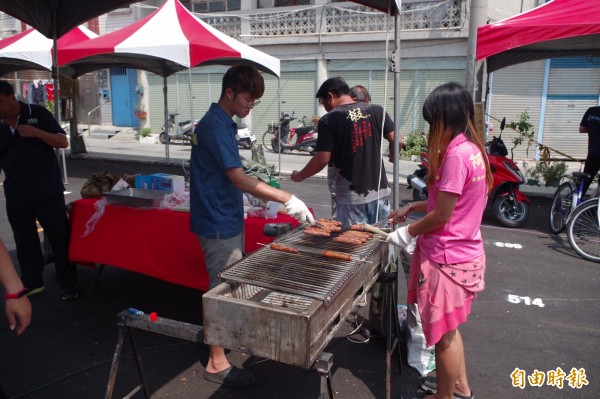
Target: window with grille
287	3
205	6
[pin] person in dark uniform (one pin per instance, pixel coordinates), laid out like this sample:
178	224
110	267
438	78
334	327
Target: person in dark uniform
590	124
34	190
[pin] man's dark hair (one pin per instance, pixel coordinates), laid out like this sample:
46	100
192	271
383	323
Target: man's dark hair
244	78
360	94
6	89
337	86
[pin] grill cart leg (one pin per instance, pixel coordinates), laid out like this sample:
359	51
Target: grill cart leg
115	365
127	322
388	281
323	365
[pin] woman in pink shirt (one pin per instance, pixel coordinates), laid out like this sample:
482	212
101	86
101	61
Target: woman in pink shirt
448	265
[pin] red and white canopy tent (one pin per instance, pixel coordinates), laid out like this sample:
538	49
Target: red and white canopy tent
32	50
54	18
559	28
169	40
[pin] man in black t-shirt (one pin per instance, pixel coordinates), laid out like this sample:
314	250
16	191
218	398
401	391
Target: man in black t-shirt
34	190
350	140
590	124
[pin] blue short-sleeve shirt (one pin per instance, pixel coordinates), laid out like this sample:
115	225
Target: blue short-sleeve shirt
216	205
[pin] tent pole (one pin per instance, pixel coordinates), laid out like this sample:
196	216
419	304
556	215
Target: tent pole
191	97
60	153
396	173
177	92
279	120
167	161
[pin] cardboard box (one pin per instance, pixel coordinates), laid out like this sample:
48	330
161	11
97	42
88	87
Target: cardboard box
161	181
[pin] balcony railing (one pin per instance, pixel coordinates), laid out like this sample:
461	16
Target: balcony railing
329	19
337	18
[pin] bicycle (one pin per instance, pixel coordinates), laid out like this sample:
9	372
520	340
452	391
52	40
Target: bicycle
583	230
267	137
566	198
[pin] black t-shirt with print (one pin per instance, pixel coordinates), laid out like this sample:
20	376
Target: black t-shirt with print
352	133
591	120
30	165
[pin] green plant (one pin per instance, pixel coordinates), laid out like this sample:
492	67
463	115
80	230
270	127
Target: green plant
551	170
532	173
525	133
50	106
145	132
414	144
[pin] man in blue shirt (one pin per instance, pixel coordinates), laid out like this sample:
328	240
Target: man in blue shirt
216	201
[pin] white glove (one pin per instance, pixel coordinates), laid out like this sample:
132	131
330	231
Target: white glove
402	238
298	209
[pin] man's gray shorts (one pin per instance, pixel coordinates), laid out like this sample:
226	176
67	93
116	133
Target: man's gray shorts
220	253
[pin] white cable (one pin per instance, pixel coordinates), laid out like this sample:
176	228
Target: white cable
385	87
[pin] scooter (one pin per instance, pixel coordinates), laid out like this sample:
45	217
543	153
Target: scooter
508	204
305	137
182	131
245	138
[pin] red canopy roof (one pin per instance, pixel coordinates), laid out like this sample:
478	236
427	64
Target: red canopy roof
559	28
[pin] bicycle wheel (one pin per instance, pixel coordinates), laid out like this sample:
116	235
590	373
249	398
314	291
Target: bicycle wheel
583	230
562	205
266	140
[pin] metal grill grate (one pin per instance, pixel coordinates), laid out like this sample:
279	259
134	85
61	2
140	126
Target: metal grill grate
305	274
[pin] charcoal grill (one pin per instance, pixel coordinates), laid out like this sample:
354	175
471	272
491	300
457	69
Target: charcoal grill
287	307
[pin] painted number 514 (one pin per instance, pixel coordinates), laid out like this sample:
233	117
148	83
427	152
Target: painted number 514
526	300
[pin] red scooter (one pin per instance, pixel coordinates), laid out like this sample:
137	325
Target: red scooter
509	205
300	138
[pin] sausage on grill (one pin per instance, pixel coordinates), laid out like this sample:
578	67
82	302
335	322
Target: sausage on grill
351	236
312	231
329	221
358	227
332	228
348	240
354	233
279	247
337	255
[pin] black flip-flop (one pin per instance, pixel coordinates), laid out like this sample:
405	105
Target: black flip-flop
455	395
232	377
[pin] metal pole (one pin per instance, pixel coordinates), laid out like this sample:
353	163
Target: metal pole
396	59
279	119
477	17
191	97
166	120
59	154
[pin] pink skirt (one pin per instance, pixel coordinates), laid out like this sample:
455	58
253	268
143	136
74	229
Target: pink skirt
444	293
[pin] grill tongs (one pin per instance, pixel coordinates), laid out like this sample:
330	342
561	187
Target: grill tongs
371	228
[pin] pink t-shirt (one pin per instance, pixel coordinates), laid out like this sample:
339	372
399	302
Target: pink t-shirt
462	173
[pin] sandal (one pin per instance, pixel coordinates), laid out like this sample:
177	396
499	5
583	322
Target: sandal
429	384
232	377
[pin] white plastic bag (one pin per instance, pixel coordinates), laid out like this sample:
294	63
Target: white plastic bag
420	356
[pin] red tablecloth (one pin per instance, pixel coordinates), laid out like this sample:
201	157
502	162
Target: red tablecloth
156	242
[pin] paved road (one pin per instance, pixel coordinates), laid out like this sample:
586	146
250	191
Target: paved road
67	350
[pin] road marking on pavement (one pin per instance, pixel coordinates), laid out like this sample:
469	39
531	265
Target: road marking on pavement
517	299
506	244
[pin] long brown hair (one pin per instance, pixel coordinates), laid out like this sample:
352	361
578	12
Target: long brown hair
449	111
